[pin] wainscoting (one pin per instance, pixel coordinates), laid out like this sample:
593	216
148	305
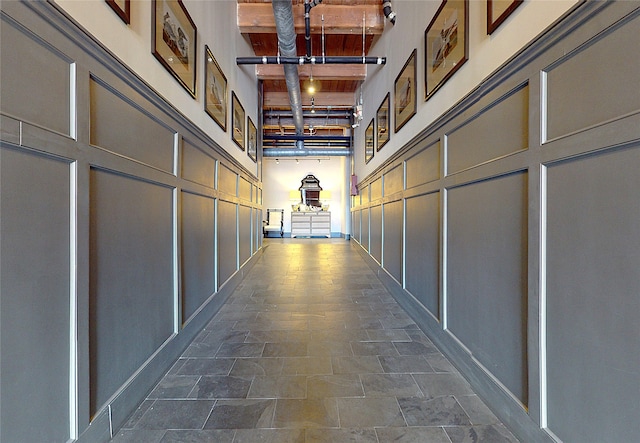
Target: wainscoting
509	231
124	228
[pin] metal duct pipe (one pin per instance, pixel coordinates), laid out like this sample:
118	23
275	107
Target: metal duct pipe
315	152
388	13
311	145
333	113
283	14
308	4
300	60
290	137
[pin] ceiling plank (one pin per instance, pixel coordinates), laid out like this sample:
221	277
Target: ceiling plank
338	19
280	100
320	72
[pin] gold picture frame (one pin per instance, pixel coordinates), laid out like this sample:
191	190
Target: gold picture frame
174	42
215	90
122	8
498	11
237	121
404	93
252	140
369	142
382	123
446	44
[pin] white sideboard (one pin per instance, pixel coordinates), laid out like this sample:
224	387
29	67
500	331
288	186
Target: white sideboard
311	224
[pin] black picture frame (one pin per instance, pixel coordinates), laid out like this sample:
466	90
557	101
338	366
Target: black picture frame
122	8
369	142
382	123
215	90
405	94
237	121
174	41
252	140
446	44
498	11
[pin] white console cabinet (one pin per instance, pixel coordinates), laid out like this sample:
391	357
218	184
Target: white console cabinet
311	224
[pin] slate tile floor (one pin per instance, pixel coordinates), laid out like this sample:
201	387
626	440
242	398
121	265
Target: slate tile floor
312	348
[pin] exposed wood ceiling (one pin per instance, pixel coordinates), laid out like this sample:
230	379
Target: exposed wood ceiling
343	36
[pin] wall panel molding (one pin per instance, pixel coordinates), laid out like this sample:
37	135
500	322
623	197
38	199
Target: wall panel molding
508	116
520	252
36	285
573	103
591	301
136	223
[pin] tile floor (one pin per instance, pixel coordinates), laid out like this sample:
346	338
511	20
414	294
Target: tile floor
312	348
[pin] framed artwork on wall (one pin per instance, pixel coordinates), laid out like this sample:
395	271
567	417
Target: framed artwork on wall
382	123
237	121
405	94
122	8
174	41
498	11
252	140
215	90
369	140
446	44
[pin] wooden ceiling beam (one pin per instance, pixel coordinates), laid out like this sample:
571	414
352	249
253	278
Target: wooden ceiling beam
338	19
320	72
280	100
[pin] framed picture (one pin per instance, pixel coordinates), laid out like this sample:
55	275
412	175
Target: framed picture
446	44
122	8
369	138
382	123
174	41
252	140
498	11
237	121
405	94
215	87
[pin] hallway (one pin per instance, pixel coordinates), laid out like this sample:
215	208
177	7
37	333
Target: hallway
312	348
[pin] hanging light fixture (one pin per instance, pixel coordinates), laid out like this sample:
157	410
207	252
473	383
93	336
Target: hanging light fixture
312	86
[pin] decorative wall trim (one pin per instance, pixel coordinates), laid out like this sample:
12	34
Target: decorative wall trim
564	26
594	160
56	179
65	24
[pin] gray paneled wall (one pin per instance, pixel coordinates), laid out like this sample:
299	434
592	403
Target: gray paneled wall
475	142
131	277
487	275
422	254
36	290
227	239
519	238
579	91
44	83
245	231
119	125
375	232
392	242
356	227
364	223
123	230
198	251
592	295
